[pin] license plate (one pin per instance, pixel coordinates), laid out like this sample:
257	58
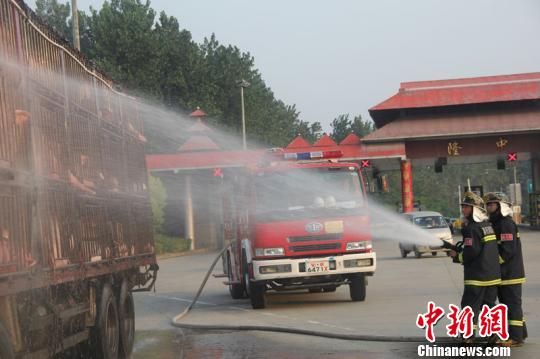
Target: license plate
317	267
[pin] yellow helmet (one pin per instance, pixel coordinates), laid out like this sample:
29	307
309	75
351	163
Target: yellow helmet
472	199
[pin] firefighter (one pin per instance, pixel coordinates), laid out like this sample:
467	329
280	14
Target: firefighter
479	256
512	268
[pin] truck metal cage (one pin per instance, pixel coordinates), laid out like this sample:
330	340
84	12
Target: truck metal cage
73	178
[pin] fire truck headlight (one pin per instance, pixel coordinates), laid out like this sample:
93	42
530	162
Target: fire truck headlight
275	269
264	252
351	263
356	246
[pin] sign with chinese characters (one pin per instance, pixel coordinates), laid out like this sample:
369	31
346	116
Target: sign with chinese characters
453	148
501	143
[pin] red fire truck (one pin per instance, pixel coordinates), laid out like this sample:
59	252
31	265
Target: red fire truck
297	223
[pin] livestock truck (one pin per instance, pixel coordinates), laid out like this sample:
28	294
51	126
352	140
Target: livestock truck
75	219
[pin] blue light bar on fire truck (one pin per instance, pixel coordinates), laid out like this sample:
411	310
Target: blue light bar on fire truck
317	155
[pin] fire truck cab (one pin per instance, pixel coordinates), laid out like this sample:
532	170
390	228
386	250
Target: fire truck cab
298	223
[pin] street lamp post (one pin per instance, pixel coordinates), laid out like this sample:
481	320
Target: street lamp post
243	84
75	25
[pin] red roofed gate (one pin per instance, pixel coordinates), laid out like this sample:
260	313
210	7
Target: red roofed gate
190	174
451	121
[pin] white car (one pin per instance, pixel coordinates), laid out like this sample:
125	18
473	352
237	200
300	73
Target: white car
433	222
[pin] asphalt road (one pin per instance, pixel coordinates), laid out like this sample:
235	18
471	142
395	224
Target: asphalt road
397	293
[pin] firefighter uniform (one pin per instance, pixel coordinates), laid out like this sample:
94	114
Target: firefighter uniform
480	258
512	267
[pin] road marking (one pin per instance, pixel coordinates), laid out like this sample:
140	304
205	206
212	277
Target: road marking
238	308
313	322
181	299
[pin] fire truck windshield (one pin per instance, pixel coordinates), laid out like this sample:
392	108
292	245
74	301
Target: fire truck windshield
308	190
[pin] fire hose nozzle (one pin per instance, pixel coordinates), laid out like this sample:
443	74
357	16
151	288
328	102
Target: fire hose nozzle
448	245
458	248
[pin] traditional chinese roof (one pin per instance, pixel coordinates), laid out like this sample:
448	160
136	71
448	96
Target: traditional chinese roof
350	140
202	160
457	125
457	92
198	113
198	143
324	141
199	126
298	142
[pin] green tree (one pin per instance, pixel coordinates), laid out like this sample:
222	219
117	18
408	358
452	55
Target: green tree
155	58
178	60
360	127
342	126
123	43
310	131
56	15
158	199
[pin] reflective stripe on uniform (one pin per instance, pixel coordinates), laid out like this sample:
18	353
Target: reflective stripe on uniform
516	323
513	281
460	257
482	283
489	238
501	260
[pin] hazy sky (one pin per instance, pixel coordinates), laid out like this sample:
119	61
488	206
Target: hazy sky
344	56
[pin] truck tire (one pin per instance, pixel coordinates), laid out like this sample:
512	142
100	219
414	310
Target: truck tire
255	291
357	288
126	319
256	295
403	252
6	348
236	289
106	333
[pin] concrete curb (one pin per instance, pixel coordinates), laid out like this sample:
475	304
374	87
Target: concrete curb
183	254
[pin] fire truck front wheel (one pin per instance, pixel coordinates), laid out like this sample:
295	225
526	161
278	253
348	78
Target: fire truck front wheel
6	348
357	288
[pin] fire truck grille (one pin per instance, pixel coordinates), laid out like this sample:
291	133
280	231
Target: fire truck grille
315	247
319	237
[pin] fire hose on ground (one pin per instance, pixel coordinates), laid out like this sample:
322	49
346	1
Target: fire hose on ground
176	322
